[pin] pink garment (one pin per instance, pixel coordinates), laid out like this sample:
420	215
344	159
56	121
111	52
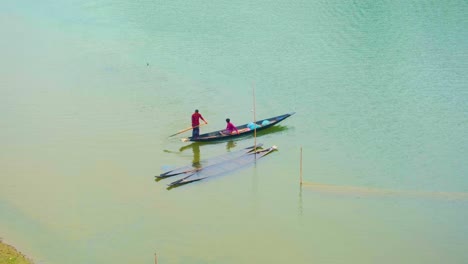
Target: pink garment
231	128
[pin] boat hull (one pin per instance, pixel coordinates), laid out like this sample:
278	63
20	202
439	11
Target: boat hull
243	130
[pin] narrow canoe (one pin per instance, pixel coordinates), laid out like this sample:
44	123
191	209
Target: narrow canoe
243	130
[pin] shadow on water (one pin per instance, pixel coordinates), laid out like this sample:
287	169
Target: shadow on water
196	161
192	146
231	144
180	185
218	165
274	129
225	166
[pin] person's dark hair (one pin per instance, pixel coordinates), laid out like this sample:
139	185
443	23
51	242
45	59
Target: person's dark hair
196	110
228	120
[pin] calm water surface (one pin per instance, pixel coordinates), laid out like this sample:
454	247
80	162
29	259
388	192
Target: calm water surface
91	90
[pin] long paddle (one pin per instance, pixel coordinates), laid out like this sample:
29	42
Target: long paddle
187	129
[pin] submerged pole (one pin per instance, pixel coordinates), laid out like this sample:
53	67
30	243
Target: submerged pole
300	166
155	258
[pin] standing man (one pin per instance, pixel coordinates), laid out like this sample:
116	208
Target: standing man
196	123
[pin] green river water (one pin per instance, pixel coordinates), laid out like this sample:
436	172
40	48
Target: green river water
91	90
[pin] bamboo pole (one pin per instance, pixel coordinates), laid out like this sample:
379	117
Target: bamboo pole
301	166
155	258
254	116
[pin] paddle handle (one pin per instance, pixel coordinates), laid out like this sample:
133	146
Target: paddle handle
187	129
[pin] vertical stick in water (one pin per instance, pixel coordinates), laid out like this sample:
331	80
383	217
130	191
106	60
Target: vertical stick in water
255	120
301	165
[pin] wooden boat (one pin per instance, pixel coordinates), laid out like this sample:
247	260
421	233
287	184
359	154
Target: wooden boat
244	130
222	167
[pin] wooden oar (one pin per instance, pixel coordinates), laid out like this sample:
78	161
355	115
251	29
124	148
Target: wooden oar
187	129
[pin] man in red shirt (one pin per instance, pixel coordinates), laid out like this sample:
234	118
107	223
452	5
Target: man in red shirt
230	128
196	123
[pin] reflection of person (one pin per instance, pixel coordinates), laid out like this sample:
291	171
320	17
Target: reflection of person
230	145
230	128
196	123
196	156
196	153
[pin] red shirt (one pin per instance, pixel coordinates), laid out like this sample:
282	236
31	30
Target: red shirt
231	128
196	119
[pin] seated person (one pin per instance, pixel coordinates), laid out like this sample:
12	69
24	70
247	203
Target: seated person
230	128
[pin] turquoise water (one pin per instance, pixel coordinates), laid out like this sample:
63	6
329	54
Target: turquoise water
91	90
